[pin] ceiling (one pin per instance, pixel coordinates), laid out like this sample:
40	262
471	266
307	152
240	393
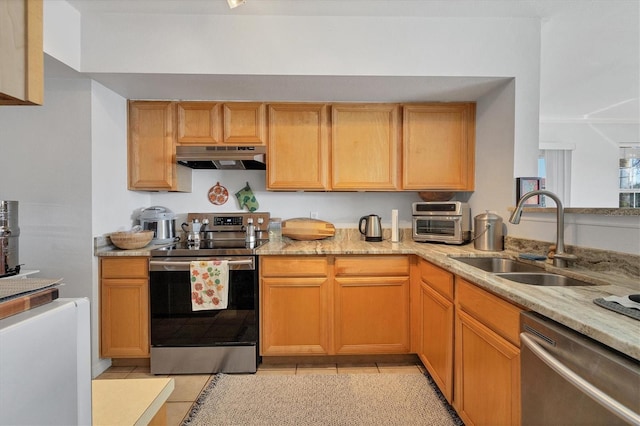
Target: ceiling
592	76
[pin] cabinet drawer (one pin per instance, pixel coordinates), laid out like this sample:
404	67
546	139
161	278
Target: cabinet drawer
372	265
136	267
293	266
497	314
437	278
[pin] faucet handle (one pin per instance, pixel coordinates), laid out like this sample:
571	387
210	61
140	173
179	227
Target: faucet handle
564	256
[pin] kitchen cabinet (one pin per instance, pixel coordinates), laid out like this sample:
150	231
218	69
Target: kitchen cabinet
438	147
216	123
199	123
298	150
365	144
294	303
371	305
436	324
244	123
487	357
124	307
326	305
151	149
22	65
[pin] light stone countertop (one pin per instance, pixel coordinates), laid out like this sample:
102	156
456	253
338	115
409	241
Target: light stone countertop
128	401
571	306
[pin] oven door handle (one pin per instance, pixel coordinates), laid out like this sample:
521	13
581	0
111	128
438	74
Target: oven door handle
188	263
569	375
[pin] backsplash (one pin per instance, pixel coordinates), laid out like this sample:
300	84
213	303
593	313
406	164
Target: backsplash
591	259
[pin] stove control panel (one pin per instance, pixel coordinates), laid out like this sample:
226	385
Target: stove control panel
231	222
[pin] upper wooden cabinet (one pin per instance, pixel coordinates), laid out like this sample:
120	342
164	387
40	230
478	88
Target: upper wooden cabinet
244	123
438	147
22	63
151	149
213	123
199	123
365	147
298	153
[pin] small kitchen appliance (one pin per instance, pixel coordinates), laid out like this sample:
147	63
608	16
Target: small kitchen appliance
184	341
161	221
441	222
9	234
488	232
371	227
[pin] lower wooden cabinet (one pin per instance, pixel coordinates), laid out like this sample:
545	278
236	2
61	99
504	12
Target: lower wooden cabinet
124	307
317	305
436	313
371	305
487	358
294	301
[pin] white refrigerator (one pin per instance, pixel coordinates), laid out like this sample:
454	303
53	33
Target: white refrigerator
45	365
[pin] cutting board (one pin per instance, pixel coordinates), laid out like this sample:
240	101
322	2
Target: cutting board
303	228
26	302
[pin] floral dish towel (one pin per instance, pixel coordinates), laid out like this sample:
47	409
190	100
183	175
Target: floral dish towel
209	284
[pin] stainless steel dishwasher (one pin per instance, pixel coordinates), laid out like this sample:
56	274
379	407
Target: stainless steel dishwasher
570	379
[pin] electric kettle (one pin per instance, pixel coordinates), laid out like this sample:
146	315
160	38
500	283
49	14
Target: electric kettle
371	227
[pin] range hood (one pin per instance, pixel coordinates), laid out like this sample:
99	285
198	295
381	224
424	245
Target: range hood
222	157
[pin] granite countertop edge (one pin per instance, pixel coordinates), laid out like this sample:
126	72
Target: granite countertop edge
570	306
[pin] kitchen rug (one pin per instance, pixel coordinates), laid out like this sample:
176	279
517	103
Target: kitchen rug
340	399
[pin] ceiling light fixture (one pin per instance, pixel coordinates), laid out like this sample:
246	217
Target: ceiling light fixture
235	3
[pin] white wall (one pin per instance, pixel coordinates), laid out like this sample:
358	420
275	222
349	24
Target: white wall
61	32
595	159
44	165
320	46
112	204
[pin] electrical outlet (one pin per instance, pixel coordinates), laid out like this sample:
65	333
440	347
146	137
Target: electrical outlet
313	215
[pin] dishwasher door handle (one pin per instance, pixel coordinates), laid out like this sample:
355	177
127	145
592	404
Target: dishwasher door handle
565	372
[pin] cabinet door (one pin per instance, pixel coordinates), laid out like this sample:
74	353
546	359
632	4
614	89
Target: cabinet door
371	315
124	308
199	123
364	147
294	316
245	123
22	64
487	375
436	338
438	147
298	156
151	145
124	314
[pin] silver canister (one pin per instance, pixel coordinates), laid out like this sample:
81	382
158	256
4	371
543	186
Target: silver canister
488	232
9	235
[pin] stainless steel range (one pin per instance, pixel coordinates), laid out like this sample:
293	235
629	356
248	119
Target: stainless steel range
187	341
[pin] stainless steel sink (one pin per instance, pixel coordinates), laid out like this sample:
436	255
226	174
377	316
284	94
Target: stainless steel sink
543	279
498	264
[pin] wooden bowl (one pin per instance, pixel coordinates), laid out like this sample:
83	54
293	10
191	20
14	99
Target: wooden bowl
131	240
436	195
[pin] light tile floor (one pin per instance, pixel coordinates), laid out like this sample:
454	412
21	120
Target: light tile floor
188	387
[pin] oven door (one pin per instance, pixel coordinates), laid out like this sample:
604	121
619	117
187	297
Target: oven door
206	341
446	229
175	323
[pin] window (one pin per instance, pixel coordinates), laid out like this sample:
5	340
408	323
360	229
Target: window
629	177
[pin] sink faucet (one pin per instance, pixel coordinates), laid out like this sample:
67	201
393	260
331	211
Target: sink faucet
560	259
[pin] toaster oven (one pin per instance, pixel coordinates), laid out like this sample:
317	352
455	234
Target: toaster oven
441	222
